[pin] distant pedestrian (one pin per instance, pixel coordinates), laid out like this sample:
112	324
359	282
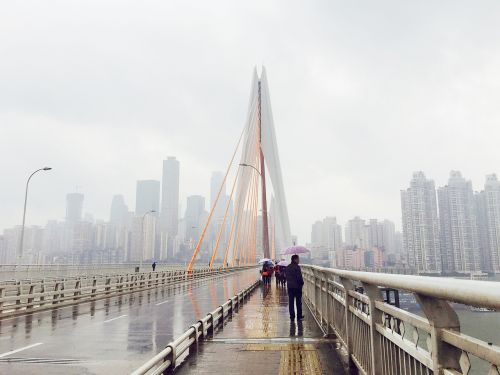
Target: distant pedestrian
294	283
154	266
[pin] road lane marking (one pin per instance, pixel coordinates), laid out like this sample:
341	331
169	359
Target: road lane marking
20	349
110	320
161	303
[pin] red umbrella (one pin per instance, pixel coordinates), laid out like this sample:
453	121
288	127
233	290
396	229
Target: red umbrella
296	250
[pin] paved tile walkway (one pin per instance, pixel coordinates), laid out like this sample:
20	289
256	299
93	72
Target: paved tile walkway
260	340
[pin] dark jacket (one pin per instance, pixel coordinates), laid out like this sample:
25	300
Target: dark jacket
294	276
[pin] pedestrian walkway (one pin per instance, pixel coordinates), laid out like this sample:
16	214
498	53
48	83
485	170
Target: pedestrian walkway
260	339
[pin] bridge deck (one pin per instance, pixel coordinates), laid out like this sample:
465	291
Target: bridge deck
110	336
260	339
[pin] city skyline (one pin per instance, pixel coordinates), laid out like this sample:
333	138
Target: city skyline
362	118
205	190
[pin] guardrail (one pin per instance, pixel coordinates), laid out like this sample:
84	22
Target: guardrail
383	339
23	298
167	359
9	272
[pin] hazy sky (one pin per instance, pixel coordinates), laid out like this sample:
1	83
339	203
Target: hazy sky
363	94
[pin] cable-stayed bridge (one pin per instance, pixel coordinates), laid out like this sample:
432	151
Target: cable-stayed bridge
255	174
216	317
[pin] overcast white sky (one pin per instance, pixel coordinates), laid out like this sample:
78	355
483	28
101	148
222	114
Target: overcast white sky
363	94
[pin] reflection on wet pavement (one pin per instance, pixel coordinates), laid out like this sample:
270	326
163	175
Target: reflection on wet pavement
260	339
111	336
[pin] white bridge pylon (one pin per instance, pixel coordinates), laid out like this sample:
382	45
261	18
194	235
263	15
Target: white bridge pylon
236	234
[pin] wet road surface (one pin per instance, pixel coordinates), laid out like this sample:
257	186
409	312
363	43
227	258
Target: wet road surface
112	336
261	339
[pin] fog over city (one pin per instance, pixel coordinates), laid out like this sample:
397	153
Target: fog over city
362	96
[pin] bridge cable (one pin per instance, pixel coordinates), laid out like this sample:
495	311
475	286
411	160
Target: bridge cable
241	247
252	228
250	219
202	236
223	225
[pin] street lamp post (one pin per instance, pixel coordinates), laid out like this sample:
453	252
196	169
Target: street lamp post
20	252
251	166
142	237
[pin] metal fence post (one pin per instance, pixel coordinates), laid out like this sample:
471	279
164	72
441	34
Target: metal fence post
94	287
55	296
2	294
373	293
19	293
107	288
77	291
441	315
348	286
329	305
30	299
42	292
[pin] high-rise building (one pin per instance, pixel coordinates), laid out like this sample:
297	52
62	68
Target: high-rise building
3	250
487	204
74	205
119	211
421	225
170	196
317	233
147	196
482	230
356	233
332	233
389	233
195	210
143	238
459	238
326	239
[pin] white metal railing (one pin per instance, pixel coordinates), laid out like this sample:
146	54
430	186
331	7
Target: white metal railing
26	297
187	343
10	272
383	339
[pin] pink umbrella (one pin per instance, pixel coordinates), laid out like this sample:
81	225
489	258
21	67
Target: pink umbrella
296	250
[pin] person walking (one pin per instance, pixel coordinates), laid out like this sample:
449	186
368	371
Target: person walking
154	266
294	282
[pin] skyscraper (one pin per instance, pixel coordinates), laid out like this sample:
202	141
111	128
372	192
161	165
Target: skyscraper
389	232
74	205
459	238
482	230
195	210
332	234
170	197
488	224
421	225
356	233
119	210
147	196
326	239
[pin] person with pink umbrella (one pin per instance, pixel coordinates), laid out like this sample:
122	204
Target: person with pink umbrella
294	282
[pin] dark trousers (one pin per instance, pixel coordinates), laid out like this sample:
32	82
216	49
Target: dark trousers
295	298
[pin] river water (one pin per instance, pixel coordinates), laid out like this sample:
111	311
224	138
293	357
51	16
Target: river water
481	325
